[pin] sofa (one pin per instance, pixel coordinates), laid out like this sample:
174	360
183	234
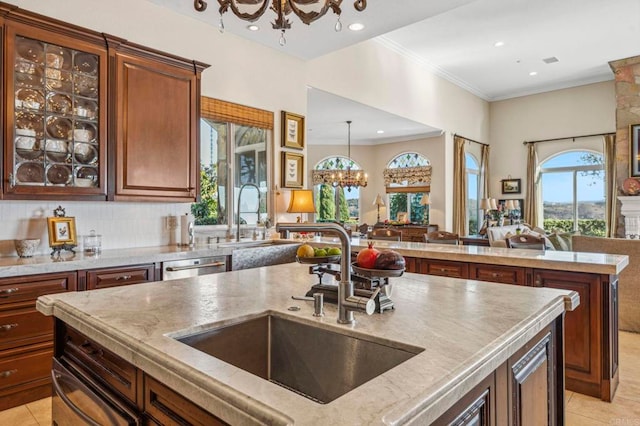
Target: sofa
498	235
629	279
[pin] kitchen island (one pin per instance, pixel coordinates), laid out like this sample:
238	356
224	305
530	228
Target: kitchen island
466	333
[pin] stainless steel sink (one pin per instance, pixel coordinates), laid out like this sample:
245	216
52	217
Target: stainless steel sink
253	243
319	364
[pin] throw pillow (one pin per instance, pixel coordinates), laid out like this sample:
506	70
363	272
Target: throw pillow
558	242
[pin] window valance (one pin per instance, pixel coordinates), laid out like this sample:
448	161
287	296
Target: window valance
411	175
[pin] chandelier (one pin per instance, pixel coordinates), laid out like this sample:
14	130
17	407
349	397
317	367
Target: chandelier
349	178
307	10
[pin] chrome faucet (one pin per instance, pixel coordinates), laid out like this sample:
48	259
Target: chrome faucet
347	301
240	199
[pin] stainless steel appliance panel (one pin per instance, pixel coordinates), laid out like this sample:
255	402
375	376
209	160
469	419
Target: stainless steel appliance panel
194	267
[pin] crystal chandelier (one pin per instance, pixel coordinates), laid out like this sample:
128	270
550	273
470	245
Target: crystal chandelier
307	10
348	179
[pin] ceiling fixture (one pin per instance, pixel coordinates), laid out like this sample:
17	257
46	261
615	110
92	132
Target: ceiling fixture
348	179
532	73
253	27
356	26
252	10
380	132
499	44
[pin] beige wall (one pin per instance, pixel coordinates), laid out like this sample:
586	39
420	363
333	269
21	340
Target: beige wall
576	111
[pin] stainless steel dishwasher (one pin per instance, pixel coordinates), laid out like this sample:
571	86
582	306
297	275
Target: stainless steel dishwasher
186	268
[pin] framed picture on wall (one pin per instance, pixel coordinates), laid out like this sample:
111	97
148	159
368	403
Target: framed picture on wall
292	130
634	154
292	170
511	186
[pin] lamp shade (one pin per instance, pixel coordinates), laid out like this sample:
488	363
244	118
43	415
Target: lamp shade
301	201
378	201
424	200
485	204
509	205
493	203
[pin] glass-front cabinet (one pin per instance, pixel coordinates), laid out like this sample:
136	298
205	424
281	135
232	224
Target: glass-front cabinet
55	135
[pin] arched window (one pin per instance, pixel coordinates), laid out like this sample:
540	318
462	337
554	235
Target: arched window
328	197
408	179
573	192
473	191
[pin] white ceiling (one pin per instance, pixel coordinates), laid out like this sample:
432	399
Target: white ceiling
455	39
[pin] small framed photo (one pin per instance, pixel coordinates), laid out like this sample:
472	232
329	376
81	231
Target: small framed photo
292	130
403	217
511	186
62	231
292	170
634	150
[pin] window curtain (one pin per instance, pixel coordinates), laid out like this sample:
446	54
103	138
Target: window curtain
459	187
531	211
484	172
611	189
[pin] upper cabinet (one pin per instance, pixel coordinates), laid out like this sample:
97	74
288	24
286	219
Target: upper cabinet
55	139
156	103
91	116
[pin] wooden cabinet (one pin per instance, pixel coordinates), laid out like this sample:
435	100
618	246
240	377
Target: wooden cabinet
112	277
108	376
412	233
54	108
26	337
528	389
156	125
591	329
91	116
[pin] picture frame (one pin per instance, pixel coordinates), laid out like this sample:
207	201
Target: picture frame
292	133
634	150
511	186
62	232
403	217
292	170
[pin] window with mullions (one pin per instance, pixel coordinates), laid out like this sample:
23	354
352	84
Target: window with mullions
403	196
328	197
573	192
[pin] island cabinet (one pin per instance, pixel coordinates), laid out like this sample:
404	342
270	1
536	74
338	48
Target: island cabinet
93	383
591	329
26	337
528	389
156	105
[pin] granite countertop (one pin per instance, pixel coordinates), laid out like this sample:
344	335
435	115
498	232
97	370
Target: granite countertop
549	259
68	261
467	329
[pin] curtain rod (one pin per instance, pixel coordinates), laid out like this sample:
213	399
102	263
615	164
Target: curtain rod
470	140
569	137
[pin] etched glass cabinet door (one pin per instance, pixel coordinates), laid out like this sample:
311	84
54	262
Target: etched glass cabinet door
55	113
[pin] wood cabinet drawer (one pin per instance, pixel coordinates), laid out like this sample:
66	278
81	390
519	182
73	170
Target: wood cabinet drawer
169	407
24	367
23	326
444	268
101	364
112	277
26	289
498	274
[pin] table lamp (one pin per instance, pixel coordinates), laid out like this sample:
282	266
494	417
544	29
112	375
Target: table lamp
424	201
378	202
301	202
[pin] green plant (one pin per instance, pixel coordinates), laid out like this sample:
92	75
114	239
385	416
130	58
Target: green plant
594	227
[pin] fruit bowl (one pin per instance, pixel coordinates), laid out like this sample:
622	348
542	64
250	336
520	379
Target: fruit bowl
318	259
382	273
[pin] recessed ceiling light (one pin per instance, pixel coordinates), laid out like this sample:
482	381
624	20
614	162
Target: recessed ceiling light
253	27
532	73
498	44
357	26
380	132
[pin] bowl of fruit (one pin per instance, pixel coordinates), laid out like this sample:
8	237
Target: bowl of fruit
372	262
308	254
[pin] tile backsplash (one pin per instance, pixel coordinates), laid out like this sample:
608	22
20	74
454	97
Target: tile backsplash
120	224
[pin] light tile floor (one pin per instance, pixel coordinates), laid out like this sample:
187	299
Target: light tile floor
581	410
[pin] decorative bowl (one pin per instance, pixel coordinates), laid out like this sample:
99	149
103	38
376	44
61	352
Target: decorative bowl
26	247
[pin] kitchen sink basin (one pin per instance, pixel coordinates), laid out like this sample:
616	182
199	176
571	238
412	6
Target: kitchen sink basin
253	243
319	364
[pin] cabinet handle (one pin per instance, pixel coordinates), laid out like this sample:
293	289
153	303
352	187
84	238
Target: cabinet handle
123	277
443	270
7	327
5	292
202	265
90	350
61	393
495	275
7	373
538	282
12	180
